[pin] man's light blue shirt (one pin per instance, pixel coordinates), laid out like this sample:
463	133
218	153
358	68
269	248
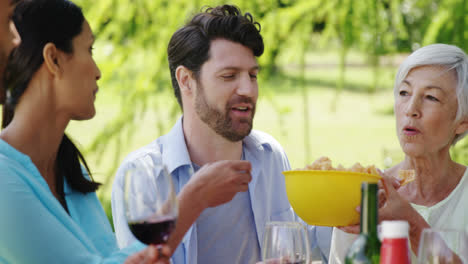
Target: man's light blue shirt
267	190
35	228
228	228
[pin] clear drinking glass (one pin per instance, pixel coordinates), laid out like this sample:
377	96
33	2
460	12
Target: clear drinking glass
150	201
285	243
443	247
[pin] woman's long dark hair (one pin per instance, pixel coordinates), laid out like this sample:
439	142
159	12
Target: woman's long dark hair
40	22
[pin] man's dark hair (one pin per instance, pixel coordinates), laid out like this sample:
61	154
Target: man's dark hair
190	45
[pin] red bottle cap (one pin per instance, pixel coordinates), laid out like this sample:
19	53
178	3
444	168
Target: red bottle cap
395	249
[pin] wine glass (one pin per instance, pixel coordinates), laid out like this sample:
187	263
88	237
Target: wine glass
443	246
150	201
285	243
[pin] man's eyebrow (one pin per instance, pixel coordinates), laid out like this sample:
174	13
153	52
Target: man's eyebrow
256	67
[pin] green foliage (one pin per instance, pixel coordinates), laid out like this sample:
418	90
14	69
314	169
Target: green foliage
448	25
132	37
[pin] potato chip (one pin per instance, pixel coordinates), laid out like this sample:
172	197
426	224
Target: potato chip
357	167
340	168
372	170
406	176
324	163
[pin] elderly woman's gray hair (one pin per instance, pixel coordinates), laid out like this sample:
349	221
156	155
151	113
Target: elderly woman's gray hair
453	58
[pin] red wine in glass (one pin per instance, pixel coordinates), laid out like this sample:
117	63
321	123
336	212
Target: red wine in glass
152	232
150	202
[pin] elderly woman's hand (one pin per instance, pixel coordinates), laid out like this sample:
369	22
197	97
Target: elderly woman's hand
382	192
151	254
391	205
382	197
352	229
397	208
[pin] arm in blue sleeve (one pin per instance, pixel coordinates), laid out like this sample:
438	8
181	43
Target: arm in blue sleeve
33	230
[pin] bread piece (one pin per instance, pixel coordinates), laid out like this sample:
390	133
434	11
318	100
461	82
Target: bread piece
325	164
406	176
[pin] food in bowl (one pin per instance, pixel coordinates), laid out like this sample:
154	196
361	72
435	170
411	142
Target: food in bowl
324	163
326	196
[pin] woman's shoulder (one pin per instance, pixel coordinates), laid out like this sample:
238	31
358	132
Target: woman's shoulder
11	158
16	179
17	173
464	180
9	167
461	172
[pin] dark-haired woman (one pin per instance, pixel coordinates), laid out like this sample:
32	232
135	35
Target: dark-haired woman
49	209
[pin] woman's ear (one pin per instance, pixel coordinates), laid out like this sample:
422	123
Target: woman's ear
462	127
184	79
51	59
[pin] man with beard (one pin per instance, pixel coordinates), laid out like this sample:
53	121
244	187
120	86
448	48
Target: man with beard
237	186
9	38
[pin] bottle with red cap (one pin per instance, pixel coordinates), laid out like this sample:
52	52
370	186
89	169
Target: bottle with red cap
395	246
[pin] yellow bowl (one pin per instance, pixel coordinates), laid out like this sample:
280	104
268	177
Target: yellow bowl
326	198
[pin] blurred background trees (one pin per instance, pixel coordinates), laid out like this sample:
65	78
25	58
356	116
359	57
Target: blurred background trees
367	39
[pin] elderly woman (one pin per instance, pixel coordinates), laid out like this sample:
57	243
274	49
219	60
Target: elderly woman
431	109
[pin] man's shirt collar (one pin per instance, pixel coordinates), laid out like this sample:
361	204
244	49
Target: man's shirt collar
175	152
174	149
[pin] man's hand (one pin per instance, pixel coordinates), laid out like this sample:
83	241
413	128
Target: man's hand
214	184
217	183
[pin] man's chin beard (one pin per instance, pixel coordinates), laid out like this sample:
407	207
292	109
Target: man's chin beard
233	136
220	121
223	127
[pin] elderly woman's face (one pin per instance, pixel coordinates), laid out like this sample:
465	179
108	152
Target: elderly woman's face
425	109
